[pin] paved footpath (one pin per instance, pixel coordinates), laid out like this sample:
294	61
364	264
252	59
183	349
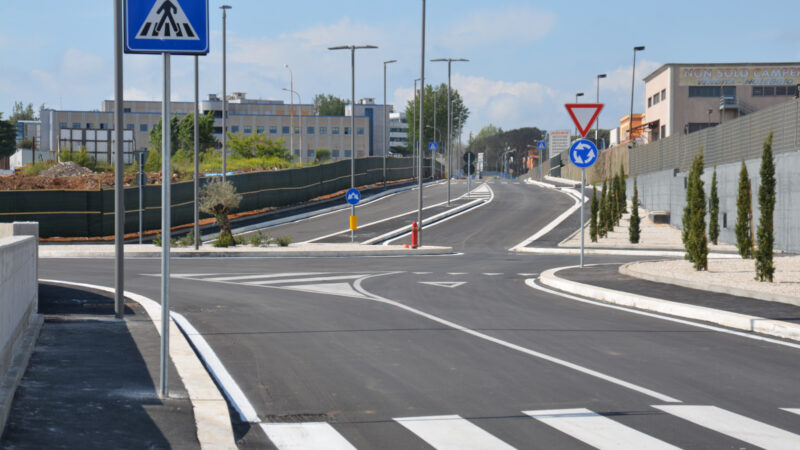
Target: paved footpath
92	381
608	276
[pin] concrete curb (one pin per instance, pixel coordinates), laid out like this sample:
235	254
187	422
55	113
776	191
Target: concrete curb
18	366
728	319
214	429
614	252
720	288
249	252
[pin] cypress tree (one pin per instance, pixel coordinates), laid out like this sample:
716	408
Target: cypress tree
614	191
694	218
634	229
713	210
610	208
593	221
765	270
623	189
603	223
744	242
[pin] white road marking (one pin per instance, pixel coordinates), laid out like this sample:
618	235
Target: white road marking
492	274
265	276
735	425
528	274
451	432
506	344
422	273
304	280
596	430
456	273
792	410
547	228
305	436
447	284
344	289
532	283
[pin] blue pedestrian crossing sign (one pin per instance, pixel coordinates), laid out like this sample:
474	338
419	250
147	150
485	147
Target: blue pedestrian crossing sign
353	196
433	147
166	26
583	153
541	145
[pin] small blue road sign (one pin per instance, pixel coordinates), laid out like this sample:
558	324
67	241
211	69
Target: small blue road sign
433	147
166	26
583	153
353	196
541	145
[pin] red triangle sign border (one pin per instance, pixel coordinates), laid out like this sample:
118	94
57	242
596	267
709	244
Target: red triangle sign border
583	129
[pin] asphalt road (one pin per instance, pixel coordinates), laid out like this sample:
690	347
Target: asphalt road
457	351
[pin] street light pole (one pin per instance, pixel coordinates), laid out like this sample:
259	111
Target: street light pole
224	9
292	93
449	120
352	49
291	113
386	139
421	123
597	121
579	94
414	144
633	83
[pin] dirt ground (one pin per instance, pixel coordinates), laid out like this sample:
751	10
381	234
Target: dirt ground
91	182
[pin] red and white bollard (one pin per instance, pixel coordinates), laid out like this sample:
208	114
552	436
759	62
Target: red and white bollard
414	235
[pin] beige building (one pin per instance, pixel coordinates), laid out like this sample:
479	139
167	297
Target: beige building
298	125
684	98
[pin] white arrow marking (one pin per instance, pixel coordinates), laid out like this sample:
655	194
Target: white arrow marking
446	284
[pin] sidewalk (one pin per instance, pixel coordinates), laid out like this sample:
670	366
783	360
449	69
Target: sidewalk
92	381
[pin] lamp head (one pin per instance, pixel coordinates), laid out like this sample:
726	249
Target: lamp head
639	48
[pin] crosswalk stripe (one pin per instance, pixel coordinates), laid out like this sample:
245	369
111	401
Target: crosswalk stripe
304	280
307	436
263	275
735	425
451	432
596	430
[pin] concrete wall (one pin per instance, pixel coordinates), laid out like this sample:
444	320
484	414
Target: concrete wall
18	287
665	191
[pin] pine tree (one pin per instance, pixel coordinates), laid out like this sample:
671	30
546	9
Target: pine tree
603	223
765	270
634	229
593	221
623	189
744	241
694	218
713	210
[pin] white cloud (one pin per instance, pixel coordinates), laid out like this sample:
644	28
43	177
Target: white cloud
515	24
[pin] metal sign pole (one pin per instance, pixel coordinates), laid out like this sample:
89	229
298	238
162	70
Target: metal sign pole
583	203
196	153
119	188
140	181
165	224
469	175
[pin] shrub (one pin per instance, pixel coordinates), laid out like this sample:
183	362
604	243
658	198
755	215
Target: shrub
694	218
80	158
744	239
255	239
283	241
157	241
219	198
765	270
187	240
37	167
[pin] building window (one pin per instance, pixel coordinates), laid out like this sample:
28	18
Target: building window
335	130
62	125
323	130
88	126
712	91
129	126
347	131
296	130
273	130
335	153
663	131
360	131
663	94
235	129
285	130
76	125
259	130
296	152
143	127
126	110
103	126
248	130
310	153
649	102
309	130
769	91
347	153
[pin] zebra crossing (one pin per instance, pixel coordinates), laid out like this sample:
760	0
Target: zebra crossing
483	192
591	428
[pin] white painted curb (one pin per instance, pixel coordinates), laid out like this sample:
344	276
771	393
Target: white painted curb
615	252
214	430
728	319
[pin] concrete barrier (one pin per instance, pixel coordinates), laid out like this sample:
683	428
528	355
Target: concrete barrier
19	321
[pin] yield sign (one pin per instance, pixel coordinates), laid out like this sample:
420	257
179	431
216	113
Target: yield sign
584	115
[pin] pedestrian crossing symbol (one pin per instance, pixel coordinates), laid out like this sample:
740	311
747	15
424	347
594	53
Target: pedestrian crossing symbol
166	26
167	21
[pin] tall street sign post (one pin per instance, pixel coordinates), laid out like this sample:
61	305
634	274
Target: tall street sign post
583	153
166	27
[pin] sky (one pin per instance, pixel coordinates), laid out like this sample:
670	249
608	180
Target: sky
526	58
